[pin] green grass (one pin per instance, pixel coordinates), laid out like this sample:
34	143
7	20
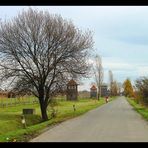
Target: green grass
143	110
10	118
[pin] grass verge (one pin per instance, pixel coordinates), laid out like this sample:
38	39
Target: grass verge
139	108
11	129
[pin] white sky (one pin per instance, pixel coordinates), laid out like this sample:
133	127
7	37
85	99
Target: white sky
120	35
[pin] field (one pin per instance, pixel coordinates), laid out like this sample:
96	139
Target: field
11	128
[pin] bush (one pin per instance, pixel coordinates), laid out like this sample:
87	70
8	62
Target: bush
142	86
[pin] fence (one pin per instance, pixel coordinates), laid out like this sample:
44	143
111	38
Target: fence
6	102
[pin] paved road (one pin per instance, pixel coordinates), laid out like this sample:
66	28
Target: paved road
115	121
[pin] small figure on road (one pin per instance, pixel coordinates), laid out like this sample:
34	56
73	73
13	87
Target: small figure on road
106	99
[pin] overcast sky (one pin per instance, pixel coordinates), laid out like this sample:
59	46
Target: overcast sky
120	35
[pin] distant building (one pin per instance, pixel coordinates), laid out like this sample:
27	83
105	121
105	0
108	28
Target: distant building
72	90
104	90
7	94
93	92
11	94
3	94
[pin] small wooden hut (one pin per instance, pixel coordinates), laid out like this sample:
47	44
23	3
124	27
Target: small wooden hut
93	92
72	90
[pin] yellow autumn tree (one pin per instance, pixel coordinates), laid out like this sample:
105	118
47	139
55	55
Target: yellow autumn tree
128	88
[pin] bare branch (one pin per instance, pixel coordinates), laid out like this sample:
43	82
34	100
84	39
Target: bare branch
42	51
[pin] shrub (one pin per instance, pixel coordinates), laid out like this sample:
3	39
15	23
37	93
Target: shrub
142	86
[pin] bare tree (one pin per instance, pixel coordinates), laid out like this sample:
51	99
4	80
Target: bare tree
119	84
40	52
98	71
111	82
114	88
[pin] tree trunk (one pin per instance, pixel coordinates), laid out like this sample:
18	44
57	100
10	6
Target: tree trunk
98	96
43	107
44	112
98	93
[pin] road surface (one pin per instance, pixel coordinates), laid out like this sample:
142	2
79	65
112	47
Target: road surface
115	121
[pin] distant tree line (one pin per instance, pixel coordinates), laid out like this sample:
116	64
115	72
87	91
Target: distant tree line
139	92
114	86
